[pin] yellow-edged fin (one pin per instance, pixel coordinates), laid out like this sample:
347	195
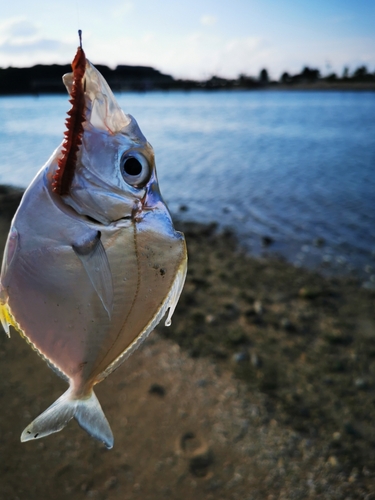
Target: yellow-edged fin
7	319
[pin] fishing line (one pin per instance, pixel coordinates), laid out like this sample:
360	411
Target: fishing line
78	15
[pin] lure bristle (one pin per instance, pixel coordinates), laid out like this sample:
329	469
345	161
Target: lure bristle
63	177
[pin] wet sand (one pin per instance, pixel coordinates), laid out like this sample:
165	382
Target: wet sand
262	388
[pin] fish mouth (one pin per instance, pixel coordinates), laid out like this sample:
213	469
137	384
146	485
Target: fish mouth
116	222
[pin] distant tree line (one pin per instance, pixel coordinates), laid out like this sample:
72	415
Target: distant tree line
47	79
309	75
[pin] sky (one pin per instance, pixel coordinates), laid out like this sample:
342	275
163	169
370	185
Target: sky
193	38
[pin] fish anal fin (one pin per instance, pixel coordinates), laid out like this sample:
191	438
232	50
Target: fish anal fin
169	303
92	254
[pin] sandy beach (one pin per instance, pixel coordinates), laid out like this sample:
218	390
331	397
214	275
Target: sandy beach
262	388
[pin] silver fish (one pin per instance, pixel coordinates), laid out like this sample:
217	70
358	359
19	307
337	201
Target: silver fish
92	261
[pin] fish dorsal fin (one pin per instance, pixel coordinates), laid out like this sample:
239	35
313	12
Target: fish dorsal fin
102	108
73	135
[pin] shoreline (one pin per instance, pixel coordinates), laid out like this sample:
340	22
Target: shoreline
260	247
303	87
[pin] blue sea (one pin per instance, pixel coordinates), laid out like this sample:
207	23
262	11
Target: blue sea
295	167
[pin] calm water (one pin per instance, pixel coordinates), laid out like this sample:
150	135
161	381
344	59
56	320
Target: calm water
294	166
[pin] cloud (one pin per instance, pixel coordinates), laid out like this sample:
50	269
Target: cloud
17	27
22	45
208	20
31	46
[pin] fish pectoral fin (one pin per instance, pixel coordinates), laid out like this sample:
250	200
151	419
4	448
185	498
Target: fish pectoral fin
88	413
92	254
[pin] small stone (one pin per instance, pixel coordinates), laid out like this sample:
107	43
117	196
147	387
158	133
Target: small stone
200	462
361	383
236	479
287	325
332	460
255	360
336	436
309	293
93	494
338	366
230	311
319	242
337	337
110	483
202	383
157	389
349	429
368	285
241	357
354	475
267	241
210	318
219	352
158	466
249	313
214	484
258	307
228	233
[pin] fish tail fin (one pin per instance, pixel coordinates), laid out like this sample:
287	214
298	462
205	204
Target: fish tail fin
90	417
88	413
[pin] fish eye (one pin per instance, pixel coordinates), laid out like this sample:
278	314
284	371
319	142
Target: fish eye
135	169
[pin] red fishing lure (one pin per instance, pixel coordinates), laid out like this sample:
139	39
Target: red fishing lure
63	177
